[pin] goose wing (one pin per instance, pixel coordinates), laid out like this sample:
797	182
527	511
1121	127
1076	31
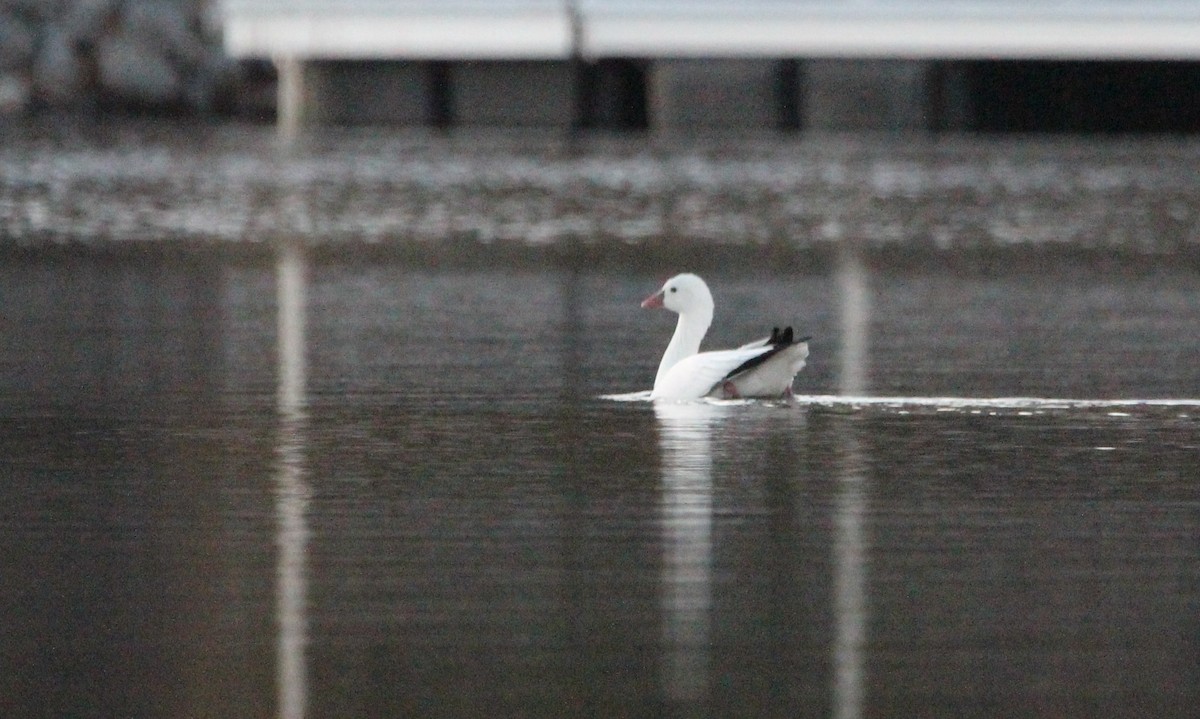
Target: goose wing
776	337
695	376
763	342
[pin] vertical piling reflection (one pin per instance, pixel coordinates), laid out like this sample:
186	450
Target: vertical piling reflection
850	542
685	433
854	319
290	269
291	491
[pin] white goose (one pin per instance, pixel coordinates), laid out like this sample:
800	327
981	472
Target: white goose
763	368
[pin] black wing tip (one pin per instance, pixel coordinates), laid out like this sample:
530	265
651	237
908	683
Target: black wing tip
780	340
786	337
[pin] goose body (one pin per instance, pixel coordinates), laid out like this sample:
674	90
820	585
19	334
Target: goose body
763	368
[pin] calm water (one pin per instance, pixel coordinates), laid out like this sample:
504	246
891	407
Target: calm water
297	485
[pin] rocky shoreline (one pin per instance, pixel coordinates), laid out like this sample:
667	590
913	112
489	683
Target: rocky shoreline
197	183
136	55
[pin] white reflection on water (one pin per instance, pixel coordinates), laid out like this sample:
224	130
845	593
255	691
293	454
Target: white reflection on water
290	280
964	404
292	494
850	545
854	319
685	435
849	535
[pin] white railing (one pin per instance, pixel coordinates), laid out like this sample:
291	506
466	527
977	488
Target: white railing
451	29
464	29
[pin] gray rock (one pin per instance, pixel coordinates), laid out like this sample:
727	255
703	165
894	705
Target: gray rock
67	53
164	26
16	42
34	10
135	72
88	20
16	92
207	17
58	75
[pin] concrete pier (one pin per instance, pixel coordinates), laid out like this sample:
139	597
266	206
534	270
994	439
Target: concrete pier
866	94
678	67
515	93
698	95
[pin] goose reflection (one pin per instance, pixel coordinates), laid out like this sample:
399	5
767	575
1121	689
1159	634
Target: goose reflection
291	489
685	438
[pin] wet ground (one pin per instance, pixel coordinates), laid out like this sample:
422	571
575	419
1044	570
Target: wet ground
289	482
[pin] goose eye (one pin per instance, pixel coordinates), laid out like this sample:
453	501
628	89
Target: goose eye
672	289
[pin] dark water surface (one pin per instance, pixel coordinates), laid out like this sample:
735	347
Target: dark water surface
301	484
400	495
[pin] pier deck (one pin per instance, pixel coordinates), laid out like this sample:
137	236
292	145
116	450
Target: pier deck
905	36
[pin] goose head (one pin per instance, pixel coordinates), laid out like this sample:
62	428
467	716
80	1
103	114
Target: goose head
684	294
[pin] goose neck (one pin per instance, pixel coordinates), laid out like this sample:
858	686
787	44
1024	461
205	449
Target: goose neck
689	333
